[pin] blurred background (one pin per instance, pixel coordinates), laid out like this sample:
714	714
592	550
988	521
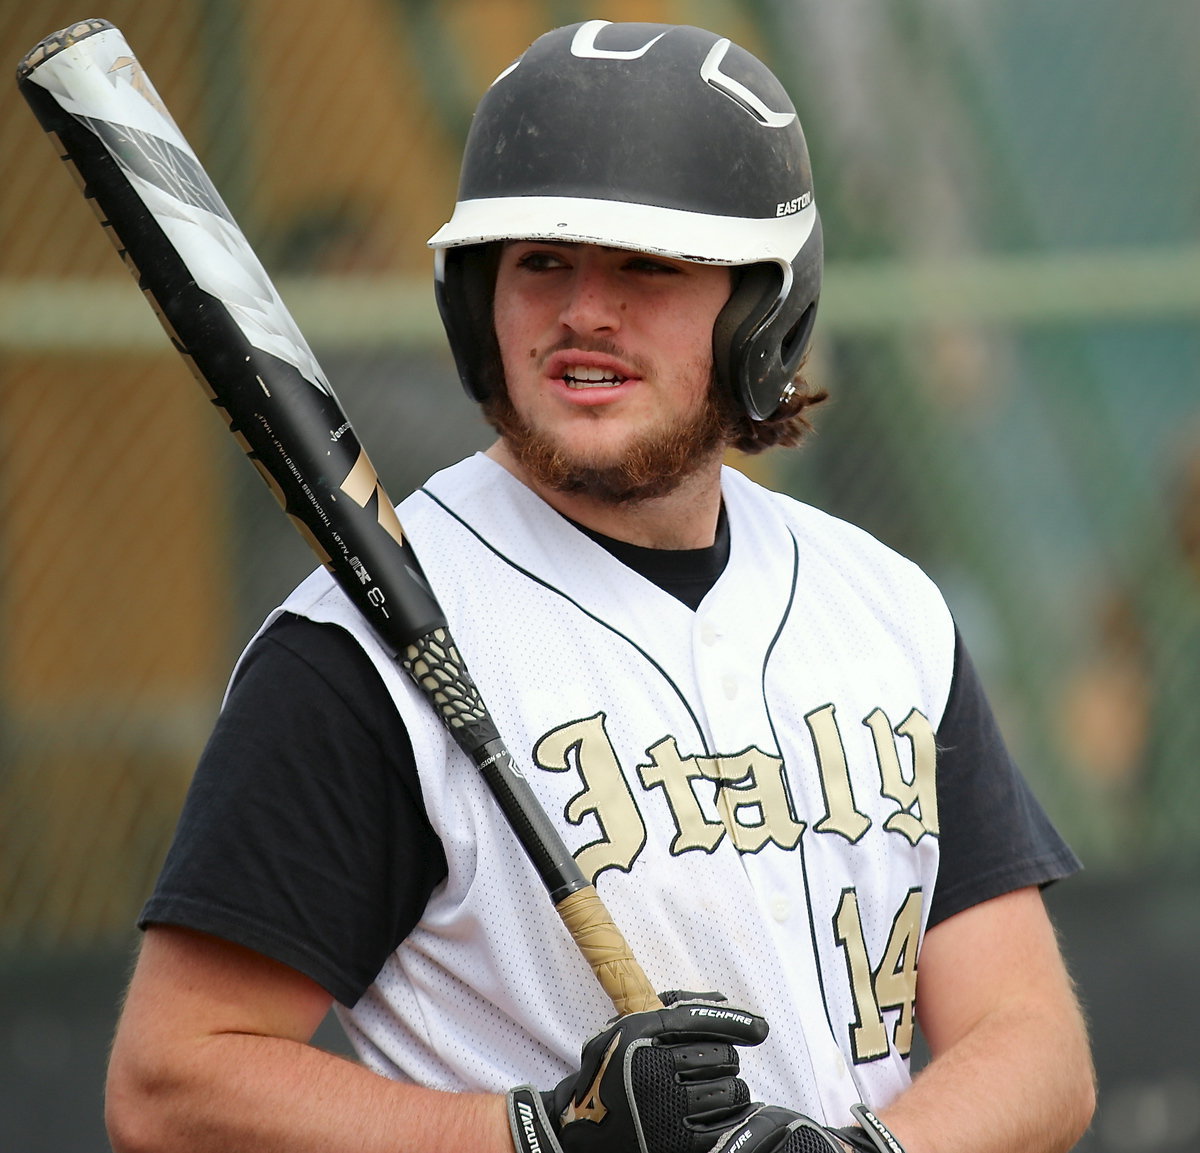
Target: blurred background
1010	331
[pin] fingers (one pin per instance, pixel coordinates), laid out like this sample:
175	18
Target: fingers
714	1105
705	1059
687	1020
659	1081
775	1130
678	1115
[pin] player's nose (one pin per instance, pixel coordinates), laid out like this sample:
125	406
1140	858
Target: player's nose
592	298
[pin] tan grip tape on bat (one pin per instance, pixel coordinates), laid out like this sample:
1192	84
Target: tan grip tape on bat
606	951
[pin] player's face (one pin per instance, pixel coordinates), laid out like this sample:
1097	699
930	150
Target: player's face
607	355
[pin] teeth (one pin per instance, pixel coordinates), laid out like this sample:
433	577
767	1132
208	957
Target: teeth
585	376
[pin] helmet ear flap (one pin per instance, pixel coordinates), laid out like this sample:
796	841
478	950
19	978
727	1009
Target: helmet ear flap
759	341
465	289
736	321
762	334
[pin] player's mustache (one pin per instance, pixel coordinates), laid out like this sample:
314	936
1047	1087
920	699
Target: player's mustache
601	346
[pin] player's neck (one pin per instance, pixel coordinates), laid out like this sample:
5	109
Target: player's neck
685	518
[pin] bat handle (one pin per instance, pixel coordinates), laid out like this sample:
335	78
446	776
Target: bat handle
436	666
604	948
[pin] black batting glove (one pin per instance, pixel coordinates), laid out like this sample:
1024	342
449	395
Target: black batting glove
661	1081
770	1129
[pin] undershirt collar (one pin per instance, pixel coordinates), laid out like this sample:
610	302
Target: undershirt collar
687	574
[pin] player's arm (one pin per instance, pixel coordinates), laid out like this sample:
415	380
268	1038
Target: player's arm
212	1053
1011	1068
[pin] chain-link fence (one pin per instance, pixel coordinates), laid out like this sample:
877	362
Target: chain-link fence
1010	332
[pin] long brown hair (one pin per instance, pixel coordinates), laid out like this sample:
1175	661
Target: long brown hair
786	427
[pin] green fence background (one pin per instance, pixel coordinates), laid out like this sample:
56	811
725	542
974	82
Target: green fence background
1010	332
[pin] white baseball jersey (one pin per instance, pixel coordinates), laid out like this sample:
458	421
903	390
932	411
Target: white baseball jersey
751	785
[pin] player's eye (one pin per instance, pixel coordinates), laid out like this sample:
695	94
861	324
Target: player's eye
540	260
650	264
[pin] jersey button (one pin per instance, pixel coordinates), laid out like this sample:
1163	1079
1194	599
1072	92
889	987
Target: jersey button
708	633
781	908
730	685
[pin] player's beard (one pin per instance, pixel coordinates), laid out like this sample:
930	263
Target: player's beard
652	465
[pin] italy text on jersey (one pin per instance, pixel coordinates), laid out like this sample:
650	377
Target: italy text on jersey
751	780
753	806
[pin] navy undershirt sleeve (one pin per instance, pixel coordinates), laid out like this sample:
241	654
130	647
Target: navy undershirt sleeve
304	835
995	836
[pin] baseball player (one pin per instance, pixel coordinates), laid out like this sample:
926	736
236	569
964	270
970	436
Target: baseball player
756	727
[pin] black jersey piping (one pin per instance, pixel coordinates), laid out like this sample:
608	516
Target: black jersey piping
800	847
571	601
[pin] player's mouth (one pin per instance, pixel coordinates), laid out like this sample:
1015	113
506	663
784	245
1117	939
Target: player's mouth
591	376
578	376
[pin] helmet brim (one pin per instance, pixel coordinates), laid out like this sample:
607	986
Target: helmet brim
670	232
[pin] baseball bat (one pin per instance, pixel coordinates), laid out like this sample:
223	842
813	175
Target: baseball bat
224	316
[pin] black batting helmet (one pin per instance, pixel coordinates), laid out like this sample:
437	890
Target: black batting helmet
653	137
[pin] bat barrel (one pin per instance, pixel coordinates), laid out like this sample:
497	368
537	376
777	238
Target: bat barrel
224	316
50	45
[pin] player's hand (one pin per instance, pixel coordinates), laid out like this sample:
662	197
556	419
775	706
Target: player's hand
662	1081
770	1129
